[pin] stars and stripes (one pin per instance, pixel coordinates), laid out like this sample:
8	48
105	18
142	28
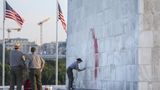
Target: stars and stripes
61	17
10	13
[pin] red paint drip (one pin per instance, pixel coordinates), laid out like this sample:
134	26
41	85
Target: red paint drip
96	53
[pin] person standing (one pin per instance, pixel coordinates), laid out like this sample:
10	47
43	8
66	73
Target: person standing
36	65
75	66
16	64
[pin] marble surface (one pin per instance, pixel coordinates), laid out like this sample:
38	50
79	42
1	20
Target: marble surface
127	33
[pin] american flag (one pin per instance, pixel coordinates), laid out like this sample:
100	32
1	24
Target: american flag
61	17
10	13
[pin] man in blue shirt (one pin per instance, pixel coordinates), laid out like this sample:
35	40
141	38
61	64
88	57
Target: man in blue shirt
16	64
70	72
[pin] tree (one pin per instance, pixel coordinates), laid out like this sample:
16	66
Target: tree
7	68
62	71
7	74
0	73
48	74
0	52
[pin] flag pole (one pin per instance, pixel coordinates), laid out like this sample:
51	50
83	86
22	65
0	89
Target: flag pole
56	43
3	59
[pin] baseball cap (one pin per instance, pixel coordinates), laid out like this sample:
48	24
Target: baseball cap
79	59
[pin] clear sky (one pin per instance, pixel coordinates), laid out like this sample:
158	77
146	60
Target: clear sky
34	11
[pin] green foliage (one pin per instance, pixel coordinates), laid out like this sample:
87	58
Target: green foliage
7	74
48	74
62	71
0	73
0	52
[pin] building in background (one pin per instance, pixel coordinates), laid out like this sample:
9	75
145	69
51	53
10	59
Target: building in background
119	41
25	44
49	50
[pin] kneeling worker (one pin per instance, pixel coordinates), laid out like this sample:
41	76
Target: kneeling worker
70	72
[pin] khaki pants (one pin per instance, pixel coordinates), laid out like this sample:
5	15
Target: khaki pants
35	77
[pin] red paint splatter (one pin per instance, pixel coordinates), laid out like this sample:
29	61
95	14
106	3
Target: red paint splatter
96	53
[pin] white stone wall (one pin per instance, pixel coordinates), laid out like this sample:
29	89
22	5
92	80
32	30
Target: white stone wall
149	45
124	50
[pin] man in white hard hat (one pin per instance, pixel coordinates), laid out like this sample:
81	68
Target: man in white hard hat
16	65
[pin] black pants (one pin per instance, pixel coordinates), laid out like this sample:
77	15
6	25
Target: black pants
70	77
16	78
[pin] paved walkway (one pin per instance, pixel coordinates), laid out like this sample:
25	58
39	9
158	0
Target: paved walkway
75	89
49	87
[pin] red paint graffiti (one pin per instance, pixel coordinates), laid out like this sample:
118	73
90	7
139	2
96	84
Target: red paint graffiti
96	53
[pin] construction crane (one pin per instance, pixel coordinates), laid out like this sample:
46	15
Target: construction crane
11	29
41	27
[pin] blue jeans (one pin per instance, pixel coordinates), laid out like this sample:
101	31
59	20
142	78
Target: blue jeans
70	77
